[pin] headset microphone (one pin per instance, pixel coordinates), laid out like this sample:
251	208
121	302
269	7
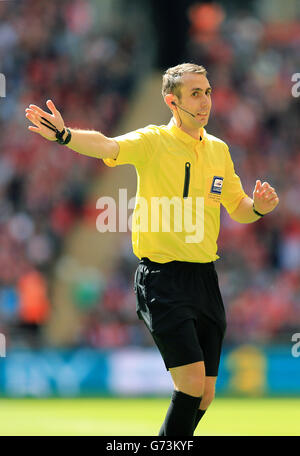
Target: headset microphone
173	103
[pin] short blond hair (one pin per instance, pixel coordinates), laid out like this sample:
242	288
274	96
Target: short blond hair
172	81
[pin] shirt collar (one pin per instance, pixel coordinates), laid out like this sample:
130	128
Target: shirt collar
188	139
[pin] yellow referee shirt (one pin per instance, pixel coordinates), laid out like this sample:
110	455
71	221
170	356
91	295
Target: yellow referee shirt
181	182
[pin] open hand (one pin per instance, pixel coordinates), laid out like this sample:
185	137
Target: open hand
265	198
35	114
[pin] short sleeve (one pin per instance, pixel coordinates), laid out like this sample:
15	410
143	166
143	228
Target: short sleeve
232	192
135	148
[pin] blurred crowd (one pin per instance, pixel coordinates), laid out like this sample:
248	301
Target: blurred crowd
42	190
60	53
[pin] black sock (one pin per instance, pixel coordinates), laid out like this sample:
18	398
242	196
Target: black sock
199	415
181	415
162	430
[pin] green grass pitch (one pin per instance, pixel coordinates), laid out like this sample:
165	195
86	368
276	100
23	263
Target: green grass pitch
135	417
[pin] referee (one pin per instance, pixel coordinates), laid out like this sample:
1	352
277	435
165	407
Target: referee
183	173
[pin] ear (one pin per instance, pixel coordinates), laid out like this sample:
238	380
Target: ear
169	99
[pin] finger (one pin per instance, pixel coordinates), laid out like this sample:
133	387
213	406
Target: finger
274	200
269	200
52	106
258	185
34	119
39	111
268	192
264	187
34	129
272	196
30	111
30	114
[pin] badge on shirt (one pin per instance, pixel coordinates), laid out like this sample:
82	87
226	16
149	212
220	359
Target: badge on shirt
217	185
214	186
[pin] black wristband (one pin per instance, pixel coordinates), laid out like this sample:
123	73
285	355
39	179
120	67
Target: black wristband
68	138
255	211
58	134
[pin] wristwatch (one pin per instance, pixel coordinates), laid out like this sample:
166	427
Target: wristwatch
256	212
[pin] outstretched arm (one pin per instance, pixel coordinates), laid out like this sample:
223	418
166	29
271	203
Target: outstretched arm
265	200
90	143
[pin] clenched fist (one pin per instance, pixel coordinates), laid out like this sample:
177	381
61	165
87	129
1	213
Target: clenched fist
264	197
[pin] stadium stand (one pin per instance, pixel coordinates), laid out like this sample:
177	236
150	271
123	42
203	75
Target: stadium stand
56	289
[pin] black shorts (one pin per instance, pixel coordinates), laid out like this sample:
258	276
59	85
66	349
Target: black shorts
181	305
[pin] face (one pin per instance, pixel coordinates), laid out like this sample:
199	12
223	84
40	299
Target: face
195	98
